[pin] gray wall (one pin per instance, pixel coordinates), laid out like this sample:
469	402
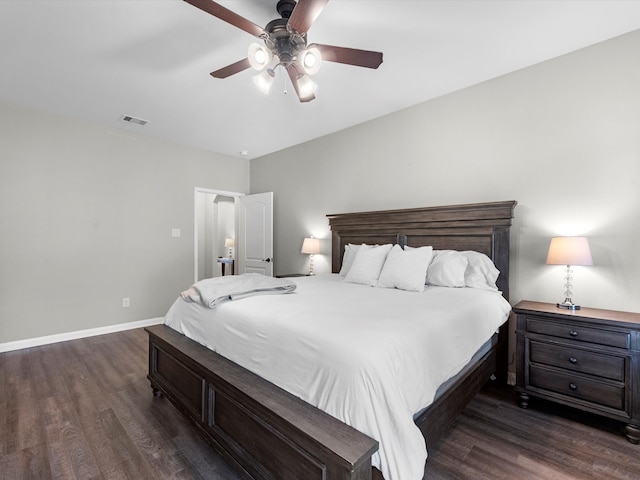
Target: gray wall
86	214
562	138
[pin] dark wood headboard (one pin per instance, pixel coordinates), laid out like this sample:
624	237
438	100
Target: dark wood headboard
483	227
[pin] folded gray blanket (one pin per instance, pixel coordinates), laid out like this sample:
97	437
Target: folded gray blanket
210	292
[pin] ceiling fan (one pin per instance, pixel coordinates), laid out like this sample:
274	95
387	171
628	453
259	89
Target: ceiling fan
285	45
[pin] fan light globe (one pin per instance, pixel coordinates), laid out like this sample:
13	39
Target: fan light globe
311	59
306	86
264	80
259	56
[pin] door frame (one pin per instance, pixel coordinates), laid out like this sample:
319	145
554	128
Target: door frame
196	226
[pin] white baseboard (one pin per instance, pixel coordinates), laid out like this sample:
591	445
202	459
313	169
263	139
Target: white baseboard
63	337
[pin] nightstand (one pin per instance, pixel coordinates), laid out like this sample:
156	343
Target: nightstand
587	359
227	261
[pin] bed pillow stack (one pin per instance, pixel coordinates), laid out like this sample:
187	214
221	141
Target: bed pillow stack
410	269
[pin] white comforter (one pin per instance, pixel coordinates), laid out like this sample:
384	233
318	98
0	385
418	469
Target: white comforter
371	357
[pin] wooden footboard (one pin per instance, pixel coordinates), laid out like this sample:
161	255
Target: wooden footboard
271	434
262	429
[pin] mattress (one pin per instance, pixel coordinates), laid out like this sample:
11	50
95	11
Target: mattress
371	357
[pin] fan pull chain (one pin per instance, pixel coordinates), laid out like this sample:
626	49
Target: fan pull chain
285	84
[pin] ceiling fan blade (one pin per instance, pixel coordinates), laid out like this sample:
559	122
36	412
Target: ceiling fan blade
304	14
228	16
232	69
293	75
349	56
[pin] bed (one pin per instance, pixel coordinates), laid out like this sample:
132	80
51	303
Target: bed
272	434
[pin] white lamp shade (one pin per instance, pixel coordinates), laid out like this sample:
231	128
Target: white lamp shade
311	246
569	251
229	242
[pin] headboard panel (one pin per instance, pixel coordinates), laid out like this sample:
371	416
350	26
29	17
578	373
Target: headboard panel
483	227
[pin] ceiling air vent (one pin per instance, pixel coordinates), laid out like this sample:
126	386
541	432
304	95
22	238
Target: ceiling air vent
137	121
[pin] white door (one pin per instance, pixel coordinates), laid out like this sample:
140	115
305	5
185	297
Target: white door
254	245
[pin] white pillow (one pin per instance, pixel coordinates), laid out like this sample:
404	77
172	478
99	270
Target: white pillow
367	264
447	269
481	272
405	269
350	251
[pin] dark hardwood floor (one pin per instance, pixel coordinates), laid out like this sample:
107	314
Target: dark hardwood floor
494	439
57	421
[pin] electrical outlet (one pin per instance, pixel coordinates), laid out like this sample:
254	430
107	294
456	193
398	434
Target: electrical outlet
176	233
125	302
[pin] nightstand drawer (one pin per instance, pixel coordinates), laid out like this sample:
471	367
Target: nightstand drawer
579	333
578	360
601	393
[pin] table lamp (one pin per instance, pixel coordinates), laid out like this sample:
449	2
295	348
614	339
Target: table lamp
569	251
311	246
230	243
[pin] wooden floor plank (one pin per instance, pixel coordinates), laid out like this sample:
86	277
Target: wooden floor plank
17	375
29	426
137	426
34	463
59	421
46	372
124	449
8	405
69	438
60	457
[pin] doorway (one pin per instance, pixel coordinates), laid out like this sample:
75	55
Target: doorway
214	223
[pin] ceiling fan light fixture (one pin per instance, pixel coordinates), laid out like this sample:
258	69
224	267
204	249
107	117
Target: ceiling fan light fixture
285	45
306	86
310	59
264	80
259	56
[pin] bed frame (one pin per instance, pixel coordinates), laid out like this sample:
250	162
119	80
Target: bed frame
272	435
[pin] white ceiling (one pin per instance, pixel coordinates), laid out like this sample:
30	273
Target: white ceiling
101	59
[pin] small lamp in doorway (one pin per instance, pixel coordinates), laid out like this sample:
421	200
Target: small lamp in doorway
569	251
311	246
230	243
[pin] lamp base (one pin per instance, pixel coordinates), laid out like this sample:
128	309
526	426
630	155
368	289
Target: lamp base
568	304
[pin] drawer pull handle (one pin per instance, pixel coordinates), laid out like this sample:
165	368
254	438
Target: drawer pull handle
573	360
573	386
573	333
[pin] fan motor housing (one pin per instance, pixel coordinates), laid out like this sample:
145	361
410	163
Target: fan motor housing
285	7
281	41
